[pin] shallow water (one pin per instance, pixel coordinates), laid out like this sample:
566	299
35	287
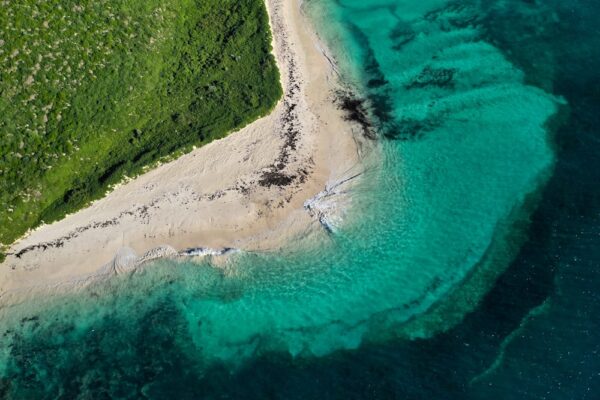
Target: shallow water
436	286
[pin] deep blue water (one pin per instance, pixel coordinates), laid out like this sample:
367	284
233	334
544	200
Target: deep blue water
533	335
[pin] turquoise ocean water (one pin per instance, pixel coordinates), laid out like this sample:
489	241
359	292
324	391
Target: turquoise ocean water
477	223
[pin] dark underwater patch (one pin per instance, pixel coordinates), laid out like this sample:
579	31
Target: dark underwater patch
401	35
429	76
114	359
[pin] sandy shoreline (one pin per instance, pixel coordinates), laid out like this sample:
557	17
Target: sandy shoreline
245	191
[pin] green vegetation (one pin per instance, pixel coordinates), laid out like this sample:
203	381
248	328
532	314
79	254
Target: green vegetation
91	91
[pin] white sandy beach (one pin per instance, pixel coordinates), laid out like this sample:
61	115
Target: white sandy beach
219	195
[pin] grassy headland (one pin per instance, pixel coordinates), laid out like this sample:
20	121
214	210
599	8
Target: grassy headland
91	91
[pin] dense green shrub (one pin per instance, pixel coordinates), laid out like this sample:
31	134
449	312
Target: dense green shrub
94	90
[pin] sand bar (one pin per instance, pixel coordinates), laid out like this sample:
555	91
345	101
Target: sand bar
245	191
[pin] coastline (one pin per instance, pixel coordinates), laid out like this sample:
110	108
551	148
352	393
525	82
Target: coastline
246	191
